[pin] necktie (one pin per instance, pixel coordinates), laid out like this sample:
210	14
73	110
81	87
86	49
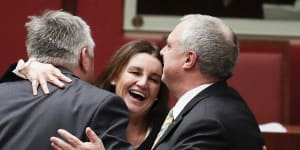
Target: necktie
169	119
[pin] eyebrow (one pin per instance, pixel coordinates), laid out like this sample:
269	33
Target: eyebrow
140	69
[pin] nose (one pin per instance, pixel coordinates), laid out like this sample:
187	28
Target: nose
142	82
162	50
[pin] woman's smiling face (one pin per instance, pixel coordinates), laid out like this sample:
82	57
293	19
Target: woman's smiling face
139	82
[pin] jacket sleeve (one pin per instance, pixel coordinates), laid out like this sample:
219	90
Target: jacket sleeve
110	123
9	75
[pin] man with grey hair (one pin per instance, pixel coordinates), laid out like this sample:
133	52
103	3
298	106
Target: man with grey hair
200	55
28	122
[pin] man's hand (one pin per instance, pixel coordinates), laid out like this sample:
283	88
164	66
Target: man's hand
73	143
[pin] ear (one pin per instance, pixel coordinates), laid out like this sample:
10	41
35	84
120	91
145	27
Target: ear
85	61
191	59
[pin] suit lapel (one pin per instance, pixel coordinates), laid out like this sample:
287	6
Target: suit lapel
200	96
186	109
170	128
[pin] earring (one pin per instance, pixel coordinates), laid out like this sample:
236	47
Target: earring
112	82
156	99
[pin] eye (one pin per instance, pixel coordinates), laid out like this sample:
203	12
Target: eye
135	72
155	80
169	46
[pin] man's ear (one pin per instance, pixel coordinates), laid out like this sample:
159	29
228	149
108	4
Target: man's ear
190	59
85	60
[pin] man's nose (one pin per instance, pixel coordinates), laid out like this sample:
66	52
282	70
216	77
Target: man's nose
162	50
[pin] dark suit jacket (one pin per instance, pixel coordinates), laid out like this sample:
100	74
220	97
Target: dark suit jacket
27	122
216	119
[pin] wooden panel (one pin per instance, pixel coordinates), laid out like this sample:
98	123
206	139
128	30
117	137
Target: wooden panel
284	141
295	82
262	78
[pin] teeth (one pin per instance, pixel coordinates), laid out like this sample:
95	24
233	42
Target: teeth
138	93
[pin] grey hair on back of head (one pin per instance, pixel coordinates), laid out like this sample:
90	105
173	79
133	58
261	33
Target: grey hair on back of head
57	37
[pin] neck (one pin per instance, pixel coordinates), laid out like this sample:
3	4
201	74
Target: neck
136	131
189	85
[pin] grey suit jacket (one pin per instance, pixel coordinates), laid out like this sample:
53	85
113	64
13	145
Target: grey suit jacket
27	122
216	119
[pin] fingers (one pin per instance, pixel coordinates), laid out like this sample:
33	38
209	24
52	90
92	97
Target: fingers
44	85
71	139
55	77
40	74
49	74
70	142
34	84
60	76
92	136
55	81
40	81
59	144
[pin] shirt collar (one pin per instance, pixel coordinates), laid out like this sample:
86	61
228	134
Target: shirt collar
186	98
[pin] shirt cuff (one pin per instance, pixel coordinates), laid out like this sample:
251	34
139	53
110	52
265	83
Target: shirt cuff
21	65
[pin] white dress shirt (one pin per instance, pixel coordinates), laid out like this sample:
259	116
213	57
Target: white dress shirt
186	98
